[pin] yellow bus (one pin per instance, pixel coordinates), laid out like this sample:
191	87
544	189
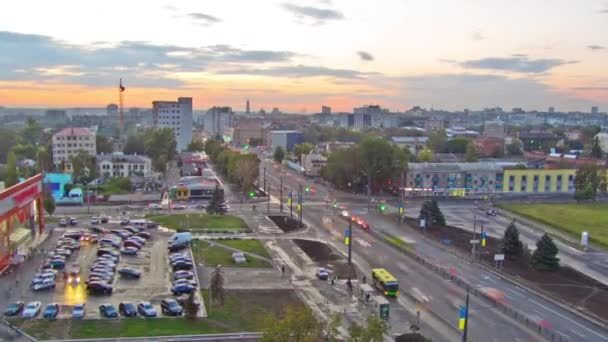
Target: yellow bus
385	282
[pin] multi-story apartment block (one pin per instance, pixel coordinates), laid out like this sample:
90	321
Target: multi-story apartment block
176	115
69	141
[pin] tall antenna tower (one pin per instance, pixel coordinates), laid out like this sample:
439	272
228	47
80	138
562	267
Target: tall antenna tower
121	124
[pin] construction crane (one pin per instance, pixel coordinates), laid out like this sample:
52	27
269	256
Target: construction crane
121	118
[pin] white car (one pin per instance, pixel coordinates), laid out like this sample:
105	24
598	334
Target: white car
154	206
44	285
31	310
94	220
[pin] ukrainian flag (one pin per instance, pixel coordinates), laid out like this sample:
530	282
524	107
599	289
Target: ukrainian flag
463	318
483	239
347	240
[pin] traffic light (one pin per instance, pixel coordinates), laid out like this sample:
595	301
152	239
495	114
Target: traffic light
251	194
247	147
307	189
382	207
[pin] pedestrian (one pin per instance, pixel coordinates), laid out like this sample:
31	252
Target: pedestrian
364	280
282	270
367	297
349	284
332	280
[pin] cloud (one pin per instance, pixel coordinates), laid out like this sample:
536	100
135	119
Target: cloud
519	64
477	36
318	15
366	56
596	47
591	88
204	19
38	57
604	11
299	71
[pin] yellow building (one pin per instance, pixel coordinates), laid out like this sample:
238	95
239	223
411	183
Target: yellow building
538	181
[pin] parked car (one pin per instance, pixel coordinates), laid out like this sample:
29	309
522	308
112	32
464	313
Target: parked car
104	251
108	311
73	221
78	311
124	221
137	239
31	310
104	219
51	311
182	288
14	308
127	309
184	259
492	212
99	230
109	242
171	307
322	274
146	309
132	230
132	243
178	207
63	222
154	206
183	275
99	288
130	273
190	282
129	251
182	265
177	247
44	285
144	235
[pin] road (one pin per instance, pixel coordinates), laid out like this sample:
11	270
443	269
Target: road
486	320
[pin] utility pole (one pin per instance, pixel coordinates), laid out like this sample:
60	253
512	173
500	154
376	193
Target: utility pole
301	205
350	238
369	191
265	181
466	318
281	193
290	200
482	242
474	236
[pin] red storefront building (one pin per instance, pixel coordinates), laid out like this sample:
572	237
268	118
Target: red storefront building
21	219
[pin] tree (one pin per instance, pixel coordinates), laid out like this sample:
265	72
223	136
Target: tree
49	204
511	244
437	141
190	307
246	171
425	156
300	149
135	144
471	154
8	138
514	148
83	167
588	181
278	155
44	159
12	177
217	286
373	332
545	257
596	149
457	145
430	211
32	132
299	324
103	144
195	146
215	205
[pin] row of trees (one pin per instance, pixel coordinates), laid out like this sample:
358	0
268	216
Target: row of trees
240	169
373	158
544	257
158	144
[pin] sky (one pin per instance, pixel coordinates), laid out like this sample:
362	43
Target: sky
301	54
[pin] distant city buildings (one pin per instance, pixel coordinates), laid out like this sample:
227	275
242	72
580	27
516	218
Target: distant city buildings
247	131
313	163
285	139
413	144
68	142
176	115
325	110
112	109
218	120
118	164
494	129
594	110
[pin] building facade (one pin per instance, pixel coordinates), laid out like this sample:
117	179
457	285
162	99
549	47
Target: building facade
453	179
69	141
285	139
413	144
123	165
176	115
313	163
539	181
494	129
245	131
218	120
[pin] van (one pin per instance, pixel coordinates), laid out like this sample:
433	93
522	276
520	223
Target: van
180	238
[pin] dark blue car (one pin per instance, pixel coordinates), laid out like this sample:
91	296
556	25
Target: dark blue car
127	309
108	311
182	288
129	273
51	311
14	309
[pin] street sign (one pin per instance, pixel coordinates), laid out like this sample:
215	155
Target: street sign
474	242
422	223
499	257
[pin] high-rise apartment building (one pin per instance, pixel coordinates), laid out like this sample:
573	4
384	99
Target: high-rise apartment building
176	115
218	120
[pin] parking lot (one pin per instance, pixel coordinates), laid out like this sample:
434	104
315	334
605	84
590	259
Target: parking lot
152	261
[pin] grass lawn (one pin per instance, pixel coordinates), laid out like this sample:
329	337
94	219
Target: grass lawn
198	221
242	311
216	255
569	218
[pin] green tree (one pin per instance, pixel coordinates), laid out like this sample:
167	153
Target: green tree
511	244
159	145
374	331
103	144
135	144
12	177
190	307
23	151
299	324
437	141
83	167
196	145
217	286
215	205
8	139
49	204
471	154
278	155
545	257
431	212
425	156
44	160
245	171
457	145
596	150
31	133
301	149
588	181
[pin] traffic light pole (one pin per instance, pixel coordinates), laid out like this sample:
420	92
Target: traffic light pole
265	181
291	202
350	238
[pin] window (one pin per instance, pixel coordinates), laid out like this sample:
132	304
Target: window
559	183
547	183
524	183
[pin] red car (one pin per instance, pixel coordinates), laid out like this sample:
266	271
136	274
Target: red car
132	243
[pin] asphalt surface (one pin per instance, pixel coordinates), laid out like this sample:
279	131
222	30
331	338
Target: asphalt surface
486	322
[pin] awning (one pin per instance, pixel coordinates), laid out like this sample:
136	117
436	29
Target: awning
19	236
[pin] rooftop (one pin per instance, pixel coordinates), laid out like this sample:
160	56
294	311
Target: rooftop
71	131
125	158
455	167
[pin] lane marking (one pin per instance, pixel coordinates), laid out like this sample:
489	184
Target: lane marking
578	333
568	319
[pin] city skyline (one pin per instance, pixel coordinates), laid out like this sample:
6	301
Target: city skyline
299	55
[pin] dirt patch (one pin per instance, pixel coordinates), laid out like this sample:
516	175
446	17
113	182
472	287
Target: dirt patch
286	223
566	284
324	256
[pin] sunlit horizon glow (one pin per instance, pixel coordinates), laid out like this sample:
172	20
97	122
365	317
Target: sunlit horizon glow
299	55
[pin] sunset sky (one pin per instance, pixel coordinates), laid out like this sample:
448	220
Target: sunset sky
298	55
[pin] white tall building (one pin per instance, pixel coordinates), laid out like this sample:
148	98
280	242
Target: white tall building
176	115
70	141
218	120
